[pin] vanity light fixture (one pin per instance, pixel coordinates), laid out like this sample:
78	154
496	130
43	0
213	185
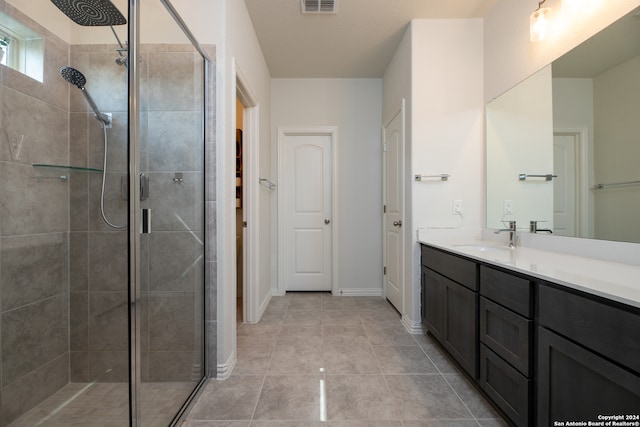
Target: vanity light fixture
539	22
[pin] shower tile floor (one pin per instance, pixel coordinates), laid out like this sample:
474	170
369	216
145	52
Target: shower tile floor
106	405
318	360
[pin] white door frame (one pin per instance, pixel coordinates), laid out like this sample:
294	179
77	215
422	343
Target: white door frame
250	199
399	111
584	214
331	131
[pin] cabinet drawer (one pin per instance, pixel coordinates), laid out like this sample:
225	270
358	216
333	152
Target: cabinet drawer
508	388
506	333
451	266
511	291
606	328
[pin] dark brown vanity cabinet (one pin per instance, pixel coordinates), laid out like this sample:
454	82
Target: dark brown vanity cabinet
588	357
450	305
540	351
506	337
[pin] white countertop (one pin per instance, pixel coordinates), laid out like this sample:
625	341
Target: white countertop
612	280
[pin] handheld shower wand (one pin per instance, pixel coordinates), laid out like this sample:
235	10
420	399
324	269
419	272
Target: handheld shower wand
76	78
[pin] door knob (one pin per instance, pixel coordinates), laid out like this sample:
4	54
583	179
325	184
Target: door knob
327	220
397	223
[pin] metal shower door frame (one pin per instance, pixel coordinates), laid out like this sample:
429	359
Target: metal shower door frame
135	219
135	209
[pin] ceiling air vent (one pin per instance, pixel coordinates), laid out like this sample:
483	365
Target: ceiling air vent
319	6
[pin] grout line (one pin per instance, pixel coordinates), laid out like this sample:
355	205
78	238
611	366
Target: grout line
324	323
460	397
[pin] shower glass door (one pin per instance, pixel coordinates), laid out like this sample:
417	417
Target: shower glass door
64	338
171	74
82	340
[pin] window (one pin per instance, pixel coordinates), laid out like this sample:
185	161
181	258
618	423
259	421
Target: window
21	48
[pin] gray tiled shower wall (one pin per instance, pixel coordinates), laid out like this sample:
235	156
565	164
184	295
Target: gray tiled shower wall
34	232
63	272
172	261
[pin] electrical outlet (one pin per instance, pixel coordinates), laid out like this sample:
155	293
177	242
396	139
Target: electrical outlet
457	207
508	207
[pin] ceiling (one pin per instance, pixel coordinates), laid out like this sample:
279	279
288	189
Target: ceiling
356	42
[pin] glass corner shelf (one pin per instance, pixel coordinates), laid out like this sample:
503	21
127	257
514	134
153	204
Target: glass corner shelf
66	167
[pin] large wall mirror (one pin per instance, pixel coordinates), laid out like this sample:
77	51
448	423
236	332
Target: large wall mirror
563	146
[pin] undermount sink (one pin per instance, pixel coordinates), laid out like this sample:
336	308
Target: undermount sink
501	253
483	248
497	253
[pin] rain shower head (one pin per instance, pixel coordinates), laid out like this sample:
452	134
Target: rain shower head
76	78
91	13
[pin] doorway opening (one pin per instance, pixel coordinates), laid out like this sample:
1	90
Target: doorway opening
247	202
572	200
240	221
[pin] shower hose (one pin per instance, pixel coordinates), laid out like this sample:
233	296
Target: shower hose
104	178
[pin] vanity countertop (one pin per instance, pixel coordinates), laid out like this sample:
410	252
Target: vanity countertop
612	280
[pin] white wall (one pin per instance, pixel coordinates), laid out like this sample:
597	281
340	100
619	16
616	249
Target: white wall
509	56
396	82
240	53
354	106
438	68
447	130
396	87
49	16
245	50
226	23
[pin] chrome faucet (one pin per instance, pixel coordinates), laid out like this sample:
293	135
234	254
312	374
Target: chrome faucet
512	233
533	227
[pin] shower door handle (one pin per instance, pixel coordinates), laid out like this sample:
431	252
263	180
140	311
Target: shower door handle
146	221
144	187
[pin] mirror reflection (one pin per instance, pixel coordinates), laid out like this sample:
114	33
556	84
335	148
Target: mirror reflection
563	147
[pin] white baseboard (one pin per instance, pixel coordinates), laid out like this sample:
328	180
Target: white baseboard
351	292
414	328
224	370
263	306
359	292
261	309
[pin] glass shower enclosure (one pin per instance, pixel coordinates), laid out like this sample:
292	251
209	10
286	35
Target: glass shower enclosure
102	225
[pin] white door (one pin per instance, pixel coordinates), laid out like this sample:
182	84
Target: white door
394	200
565	148
306	222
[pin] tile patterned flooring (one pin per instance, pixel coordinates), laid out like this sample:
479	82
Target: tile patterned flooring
319	360
106	405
